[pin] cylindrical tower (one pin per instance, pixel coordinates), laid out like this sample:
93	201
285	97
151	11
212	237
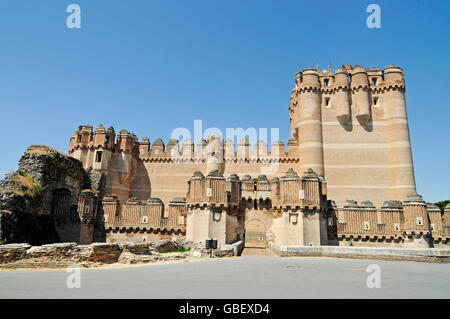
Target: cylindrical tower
307	119
341	98
360	89
397	131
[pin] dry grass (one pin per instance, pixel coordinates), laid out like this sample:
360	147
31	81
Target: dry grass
24	181
33	188
42	149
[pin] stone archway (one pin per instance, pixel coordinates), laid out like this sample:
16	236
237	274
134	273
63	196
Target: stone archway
256	227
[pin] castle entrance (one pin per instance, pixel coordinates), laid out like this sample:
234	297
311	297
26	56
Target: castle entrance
256	226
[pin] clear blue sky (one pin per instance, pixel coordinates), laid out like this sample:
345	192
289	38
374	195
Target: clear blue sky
151	66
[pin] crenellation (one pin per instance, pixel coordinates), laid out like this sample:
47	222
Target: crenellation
187	149
395	223
145	220
144	148
173	149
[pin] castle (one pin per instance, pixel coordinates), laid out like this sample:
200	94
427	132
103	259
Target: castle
346	178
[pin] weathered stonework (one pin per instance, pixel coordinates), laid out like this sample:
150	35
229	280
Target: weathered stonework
39	203
97	254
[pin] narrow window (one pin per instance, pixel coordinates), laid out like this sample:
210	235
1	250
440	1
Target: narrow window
78	138
327	101
349	78
98	157
325	82
375	101
374	81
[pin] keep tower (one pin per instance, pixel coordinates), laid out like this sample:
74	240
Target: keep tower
351	127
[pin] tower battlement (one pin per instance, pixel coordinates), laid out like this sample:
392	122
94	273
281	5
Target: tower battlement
84	143
355	77
411	223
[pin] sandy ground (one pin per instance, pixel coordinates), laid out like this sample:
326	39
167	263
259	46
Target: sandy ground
188	259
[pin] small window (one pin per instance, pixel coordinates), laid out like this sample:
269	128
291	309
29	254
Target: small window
374	81
144	219
349	78
144	239
375	101
419	221
98	157
156	152
86	210
209	192
327	101
78	138
432	227
325	82
396	227
366	225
